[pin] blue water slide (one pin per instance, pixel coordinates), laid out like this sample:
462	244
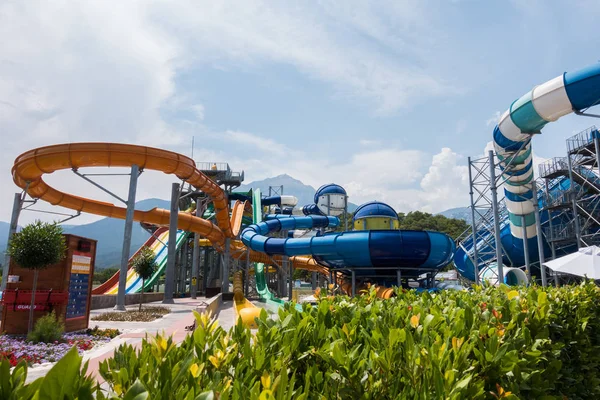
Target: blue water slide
513	251
568	92
266	201
415	251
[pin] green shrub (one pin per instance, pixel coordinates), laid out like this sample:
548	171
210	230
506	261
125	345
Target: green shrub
488	343
47	330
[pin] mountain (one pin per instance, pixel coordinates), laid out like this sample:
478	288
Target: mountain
3	239
291	186
109	234
107	231
463	213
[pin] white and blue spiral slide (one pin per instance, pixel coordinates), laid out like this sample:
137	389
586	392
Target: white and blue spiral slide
569	92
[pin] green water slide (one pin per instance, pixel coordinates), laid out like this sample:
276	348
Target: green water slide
259	268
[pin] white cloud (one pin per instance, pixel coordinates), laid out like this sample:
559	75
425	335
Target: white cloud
198	109
105	71
493	120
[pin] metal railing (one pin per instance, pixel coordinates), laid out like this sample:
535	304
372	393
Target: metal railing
212	166
554	166
582	139
565	231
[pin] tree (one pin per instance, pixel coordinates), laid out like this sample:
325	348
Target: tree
102	275
144	265
37	246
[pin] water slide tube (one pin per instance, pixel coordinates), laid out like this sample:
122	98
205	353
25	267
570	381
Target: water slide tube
243	308
30	167
267	201
416	251
569	92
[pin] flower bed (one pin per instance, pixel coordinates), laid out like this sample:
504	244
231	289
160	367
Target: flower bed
134	315
17	348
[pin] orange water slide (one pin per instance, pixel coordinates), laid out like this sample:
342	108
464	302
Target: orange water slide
30	166
237	213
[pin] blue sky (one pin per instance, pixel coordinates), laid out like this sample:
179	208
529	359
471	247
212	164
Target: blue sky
387	98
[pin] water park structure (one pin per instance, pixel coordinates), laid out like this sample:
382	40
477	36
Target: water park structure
511	237
239	236
234	229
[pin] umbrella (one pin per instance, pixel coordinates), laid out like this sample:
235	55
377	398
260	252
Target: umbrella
585	262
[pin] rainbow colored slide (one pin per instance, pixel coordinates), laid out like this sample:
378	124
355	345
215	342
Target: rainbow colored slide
159	244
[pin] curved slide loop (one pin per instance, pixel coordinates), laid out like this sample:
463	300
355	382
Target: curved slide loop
571	91
30	166
418	251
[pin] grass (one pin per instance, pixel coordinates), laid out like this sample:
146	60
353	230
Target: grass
133	315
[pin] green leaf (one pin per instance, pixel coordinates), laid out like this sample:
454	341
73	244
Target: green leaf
209	395
60	380
137	391
286	321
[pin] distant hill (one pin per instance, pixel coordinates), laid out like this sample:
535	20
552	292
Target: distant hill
463	213
109	234
291	186
107	231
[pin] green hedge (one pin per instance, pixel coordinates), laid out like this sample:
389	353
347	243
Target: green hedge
487	343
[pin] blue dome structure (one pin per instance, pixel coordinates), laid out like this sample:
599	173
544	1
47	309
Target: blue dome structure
330	188
375	215
374	209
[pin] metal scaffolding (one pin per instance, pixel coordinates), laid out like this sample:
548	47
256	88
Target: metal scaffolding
568	192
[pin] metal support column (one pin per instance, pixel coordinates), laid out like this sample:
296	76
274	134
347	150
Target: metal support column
538	228
14	223
574	205
171	256
473	225
399	278
493	189
525	248
127	238
550	225
225	269
206	269
291	279
313	281
597	146
353	283
195	258
247	274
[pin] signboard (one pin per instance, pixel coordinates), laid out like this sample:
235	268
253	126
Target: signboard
79	285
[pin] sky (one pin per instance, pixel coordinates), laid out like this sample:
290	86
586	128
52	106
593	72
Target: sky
386	98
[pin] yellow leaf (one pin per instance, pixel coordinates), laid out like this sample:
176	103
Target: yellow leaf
345	330
227	385
194	370
500	332
118	389
161	342
456	343
265	379
512	294
414	320
214	361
